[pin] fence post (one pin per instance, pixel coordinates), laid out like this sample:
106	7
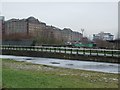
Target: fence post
26	48
21	48
33	49
65	50
71	51
97	52
77	51
9	48
55	50
59	50
83	51
104	53
90	52
112	53
41	49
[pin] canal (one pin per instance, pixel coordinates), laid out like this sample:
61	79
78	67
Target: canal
74	64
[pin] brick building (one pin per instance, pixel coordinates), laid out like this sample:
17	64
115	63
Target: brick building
40	31
2	30
67	34
35	27
14	26
70	36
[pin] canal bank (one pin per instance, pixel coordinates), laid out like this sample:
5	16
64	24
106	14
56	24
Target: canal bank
58	55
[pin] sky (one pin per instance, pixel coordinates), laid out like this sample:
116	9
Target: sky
93	17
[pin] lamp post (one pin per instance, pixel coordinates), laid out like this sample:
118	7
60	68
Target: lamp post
82	31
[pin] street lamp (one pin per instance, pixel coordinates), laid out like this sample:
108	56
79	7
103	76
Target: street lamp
82	31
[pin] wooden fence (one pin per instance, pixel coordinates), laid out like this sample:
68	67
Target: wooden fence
78	51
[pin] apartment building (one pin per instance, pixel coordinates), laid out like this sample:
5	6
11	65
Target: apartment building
70	35
33	27
103	36
14	26
2	29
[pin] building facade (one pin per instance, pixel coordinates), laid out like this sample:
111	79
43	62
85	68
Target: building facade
70	36
35	27
67	34
40	31
2	29
103	36
14	26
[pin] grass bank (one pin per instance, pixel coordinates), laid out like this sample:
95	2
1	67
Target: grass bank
26	75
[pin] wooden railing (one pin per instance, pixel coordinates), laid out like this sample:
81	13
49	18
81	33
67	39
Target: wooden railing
65	50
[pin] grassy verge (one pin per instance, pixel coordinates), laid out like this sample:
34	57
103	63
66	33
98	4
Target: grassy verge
26	75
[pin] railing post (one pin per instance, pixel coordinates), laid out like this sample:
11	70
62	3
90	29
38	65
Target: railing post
41	49
112	53
21	49
104	53
33	48
55	50
59	50
90	51
83	51
65	50
17	48
77	51
9	47
25	48
30	48
71	51
37	48
97	52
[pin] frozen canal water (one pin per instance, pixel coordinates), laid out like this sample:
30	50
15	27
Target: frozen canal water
74	64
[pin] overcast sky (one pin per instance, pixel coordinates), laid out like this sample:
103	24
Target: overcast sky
94	17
